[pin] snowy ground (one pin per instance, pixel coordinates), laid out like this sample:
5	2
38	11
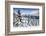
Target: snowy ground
31	23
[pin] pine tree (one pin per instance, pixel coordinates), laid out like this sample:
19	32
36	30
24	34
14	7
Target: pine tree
19	15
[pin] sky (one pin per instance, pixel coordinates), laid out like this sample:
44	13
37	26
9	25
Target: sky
27	11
